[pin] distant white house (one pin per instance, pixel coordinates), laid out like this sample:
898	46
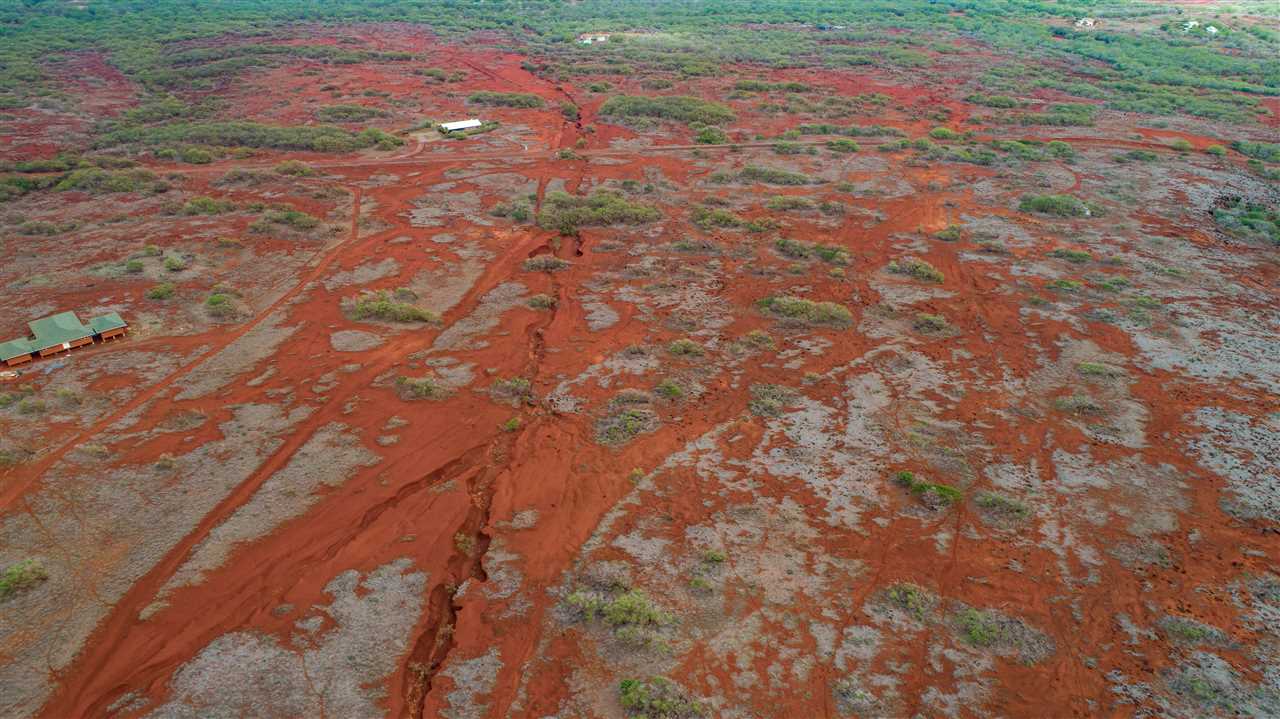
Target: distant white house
590	39
1211	30
1086	22
459	125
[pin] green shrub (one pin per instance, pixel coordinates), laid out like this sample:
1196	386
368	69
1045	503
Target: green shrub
768	400
174	264
843	145
318	138
669	389
808	312
505	99
133	267
709	135
979	629
1059	205
98	181
21	576
570	111
294	168
1001	505
348	113
930	323
567	213
1181	145
918	269
545	263
381	306
1216	150
772	176
292	219
162	291
685	348
220	305
940	494
951	233
944	134
669	107
657	698
784	202
1265	151
206	206
542	302
1076	256
420	388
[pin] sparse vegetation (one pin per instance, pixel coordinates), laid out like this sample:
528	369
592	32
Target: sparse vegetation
420	388
505	99
382	306
567	213
919	269
933	495
680	108
1057	205
768	400
21	576
542	302
657	698
545	263
806	312
162	291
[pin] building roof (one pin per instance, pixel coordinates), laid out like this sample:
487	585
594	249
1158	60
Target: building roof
107	322
460	125
57	329
14	348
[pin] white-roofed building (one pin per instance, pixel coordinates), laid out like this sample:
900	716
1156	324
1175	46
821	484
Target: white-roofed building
459	125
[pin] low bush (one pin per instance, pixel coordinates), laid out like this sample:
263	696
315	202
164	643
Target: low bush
772	176
918	269
567	213
1057	205
935	495
381	306
768	400
349	113
681	108
505	99
20	577
420	388
294	168
545	263
806	312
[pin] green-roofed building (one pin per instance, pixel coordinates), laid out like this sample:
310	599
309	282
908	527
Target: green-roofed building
60	333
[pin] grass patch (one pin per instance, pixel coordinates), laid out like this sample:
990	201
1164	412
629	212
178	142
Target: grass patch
420	388
930	324
806	312
680	108
542	302
505	99
567	213
1058	206
1078	404
919	269
686	348
162	291
932	494
913	599
545	263
1002	505
20	577
657	698
768	400
382	306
